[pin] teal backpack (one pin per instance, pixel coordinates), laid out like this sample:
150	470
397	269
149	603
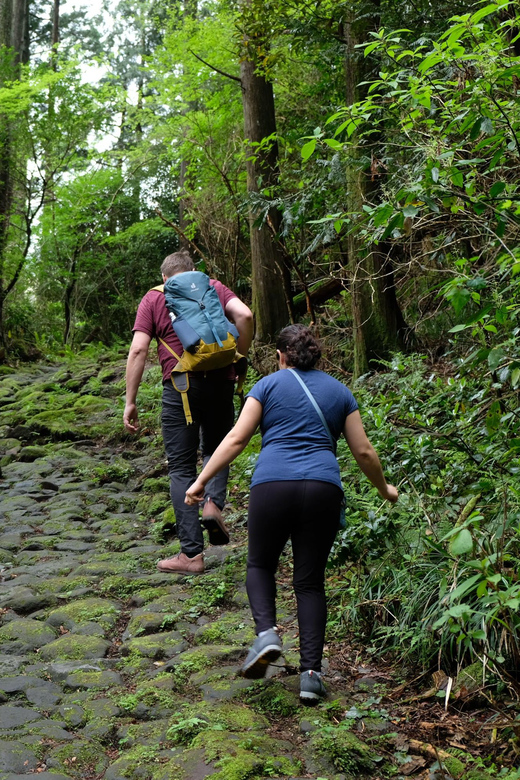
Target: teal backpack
208	338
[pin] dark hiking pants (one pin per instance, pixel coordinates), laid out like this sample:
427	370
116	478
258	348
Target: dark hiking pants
211	404
307	513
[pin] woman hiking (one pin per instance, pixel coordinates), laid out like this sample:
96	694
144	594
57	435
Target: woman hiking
296	494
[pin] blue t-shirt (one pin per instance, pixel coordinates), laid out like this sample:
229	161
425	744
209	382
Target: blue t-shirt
295	444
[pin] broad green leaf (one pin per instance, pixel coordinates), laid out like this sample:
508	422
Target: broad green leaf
461	543
308	149
497	188
482	12
465	586
435	175
410	211
495	358
333	143
458	328
456	177
486	125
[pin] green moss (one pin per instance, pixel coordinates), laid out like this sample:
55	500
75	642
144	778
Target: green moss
88	404
80	759
454	766
247	756
121	586
194	718
87	610
150	506
344	750
192	661
272	698
156	485
151	696
74	647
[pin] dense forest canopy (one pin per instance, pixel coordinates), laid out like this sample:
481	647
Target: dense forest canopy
350	163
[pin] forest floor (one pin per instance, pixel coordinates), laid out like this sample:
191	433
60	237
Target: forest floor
111	669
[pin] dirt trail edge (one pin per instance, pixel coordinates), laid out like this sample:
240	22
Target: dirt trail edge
110	669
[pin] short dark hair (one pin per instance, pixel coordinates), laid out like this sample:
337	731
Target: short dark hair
300	347
177	263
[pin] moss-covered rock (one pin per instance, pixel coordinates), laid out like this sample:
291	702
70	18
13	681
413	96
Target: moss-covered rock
80	759
341	751
24	635
75	647
239	758
78	613
231	628
272	698
157	646
93	680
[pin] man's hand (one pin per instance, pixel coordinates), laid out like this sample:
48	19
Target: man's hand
131	418
195	493
389	493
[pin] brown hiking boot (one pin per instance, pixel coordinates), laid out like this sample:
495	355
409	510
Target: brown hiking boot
181	564
213	523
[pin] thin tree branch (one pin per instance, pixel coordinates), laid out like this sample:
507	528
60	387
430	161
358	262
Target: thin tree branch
183	235
217	70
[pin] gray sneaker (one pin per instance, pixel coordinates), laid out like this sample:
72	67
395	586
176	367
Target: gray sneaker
266	649
311	687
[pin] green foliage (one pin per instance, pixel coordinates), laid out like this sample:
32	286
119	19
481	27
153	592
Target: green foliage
439	567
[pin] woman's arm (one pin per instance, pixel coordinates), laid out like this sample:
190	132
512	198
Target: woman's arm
366	456
228	449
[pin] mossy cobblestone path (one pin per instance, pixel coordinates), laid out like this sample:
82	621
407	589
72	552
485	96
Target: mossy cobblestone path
110	669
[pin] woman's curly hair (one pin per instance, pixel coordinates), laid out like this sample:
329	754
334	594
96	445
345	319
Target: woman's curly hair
300	347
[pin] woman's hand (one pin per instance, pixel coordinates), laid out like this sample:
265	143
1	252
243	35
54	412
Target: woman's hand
389	493
195	493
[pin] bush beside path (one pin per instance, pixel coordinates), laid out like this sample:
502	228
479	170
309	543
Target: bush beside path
110	669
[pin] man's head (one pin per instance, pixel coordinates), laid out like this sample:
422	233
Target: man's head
177	263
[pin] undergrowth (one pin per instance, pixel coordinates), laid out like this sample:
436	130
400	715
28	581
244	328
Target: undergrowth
434	576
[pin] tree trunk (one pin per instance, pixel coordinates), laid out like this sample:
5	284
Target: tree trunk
379	326
270	278
14	36
189	12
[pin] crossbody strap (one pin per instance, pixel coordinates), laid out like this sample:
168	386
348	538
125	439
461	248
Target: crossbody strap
316	407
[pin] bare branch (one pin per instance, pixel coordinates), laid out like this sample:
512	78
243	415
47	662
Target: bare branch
217	70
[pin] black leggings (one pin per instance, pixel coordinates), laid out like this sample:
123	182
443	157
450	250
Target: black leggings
307	512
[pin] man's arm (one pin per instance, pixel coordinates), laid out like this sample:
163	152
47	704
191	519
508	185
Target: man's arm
134	373
242	316
366	456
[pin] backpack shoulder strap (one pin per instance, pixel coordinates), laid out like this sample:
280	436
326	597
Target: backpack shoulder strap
315	405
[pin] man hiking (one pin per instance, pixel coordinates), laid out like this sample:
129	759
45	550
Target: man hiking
202	410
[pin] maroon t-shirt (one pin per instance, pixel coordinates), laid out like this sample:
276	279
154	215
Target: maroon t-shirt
152	318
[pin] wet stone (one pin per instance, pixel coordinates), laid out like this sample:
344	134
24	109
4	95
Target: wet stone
157	646
24	601
19	683
15	757
88	680
12	717
85	611
73	546
24	635
47	485
144	623
41	776
74	647
10	541
10	663
73	715
224	690
45	695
